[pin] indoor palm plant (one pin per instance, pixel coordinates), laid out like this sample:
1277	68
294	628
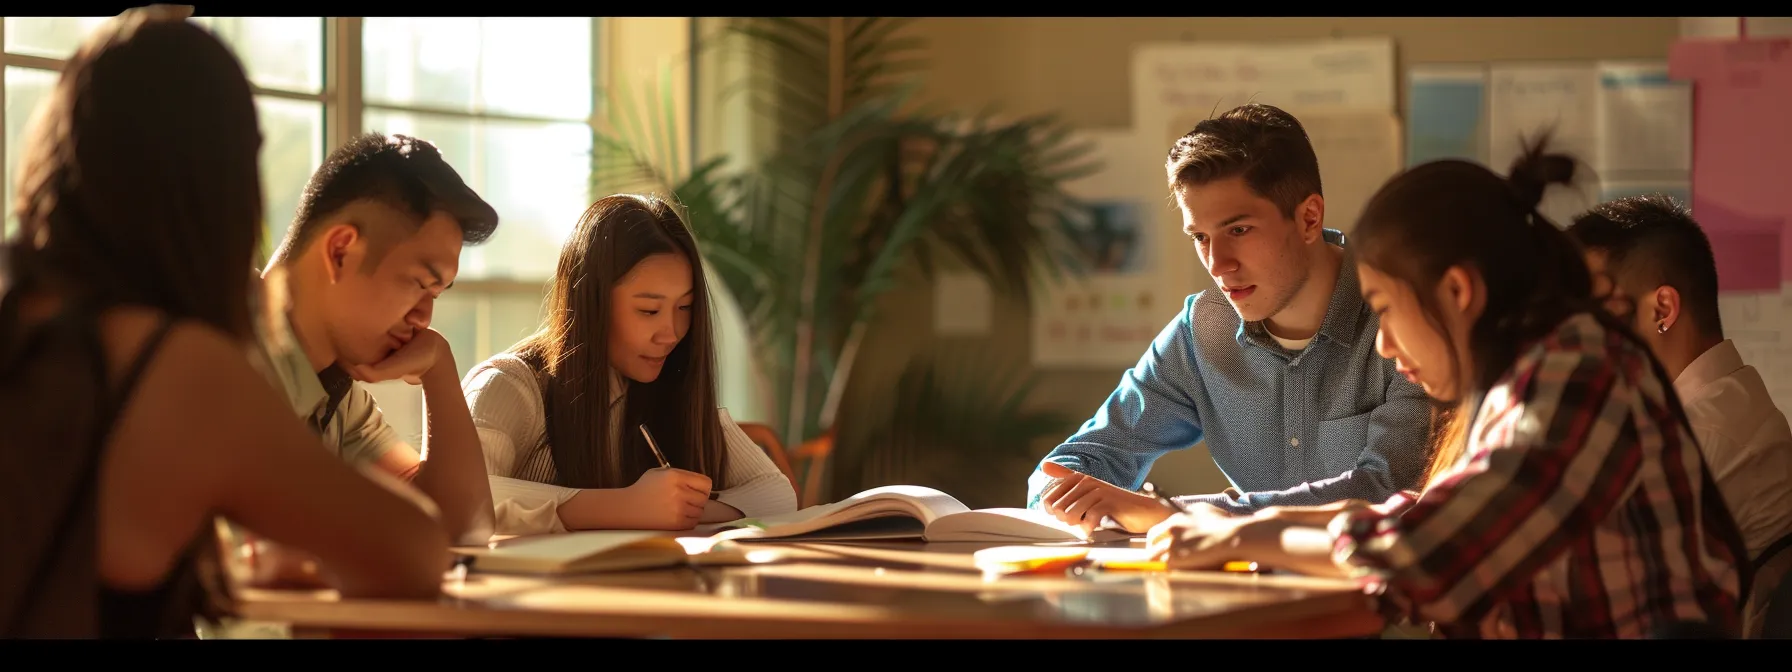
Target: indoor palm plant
862	190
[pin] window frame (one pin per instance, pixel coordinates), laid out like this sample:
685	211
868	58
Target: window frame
344	104
54	65
344	49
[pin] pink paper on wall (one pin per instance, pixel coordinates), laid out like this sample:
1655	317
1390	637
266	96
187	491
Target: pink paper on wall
1747	262
1742	154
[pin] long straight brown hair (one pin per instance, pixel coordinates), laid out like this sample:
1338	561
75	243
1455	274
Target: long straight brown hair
570	354
138	182
137	186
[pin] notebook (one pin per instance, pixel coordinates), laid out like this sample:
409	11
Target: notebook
582	552
910	512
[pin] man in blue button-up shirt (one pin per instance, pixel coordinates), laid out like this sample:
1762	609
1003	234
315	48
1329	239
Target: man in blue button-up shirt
1276	367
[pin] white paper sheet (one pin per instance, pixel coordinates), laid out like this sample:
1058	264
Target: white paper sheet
1644	123
1358	152
1526	99
1760	323
1181	81
963	305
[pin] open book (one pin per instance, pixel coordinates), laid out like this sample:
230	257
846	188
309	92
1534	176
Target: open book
579	552
909	512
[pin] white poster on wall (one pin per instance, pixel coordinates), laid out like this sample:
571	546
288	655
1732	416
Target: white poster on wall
1139	264
1526	99
1358	151
1175	85
1644	123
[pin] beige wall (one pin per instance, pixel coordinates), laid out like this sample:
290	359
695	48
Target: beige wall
1078	67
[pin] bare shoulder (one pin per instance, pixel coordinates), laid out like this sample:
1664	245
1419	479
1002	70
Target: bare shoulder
126	330
196	370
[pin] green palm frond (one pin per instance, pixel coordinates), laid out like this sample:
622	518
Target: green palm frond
861	183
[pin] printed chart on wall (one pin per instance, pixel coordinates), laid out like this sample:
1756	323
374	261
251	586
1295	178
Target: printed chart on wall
1526	99
1139	265
1446	113
1341	90
1628	122
1739	190
1645	132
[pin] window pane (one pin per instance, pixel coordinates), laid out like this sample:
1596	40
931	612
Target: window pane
48	36
456	318
534	173
515	315
292	145
25	88
537	67
284	53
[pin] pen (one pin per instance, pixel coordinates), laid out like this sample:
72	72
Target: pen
1234	566
655	447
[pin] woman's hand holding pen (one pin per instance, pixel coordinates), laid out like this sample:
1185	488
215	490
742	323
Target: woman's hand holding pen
667	499
1269	538
1209	540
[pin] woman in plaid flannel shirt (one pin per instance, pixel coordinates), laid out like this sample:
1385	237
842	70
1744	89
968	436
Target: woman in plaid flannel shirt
1566	499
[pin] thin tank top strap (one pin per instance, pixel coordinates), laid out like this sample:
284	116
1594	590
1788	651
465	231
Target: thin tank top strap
122	392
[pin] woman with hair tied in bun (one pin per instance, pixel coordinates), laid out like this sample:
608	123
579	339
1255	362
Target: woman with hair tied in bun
1566	497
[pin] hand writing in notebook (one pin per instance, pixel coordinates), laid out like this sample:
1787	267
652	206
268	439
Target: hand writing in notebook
1083	500
669	498
666	498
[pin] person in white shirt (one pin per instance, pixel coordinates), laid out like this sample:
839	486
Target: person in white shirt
629	343
1656	267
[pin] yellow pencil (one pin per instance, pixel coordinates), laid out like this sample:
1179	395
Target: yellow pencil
1240	566
1134	566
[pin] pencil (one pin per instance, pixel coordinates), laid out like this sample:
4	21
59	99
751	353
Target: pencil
654	447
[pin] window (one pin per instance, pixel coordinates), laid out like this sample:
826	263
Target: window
284	57
509	102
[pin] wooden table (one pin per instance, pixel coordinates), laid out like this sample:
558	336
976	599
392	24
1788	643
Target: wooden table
886	590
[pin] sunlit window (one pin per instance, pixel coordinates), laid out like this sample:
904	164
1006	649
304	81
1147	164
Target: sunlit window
508	101
284	57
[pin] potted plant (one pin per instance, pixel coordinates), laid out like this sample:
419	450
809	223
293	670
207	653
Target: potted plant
862	190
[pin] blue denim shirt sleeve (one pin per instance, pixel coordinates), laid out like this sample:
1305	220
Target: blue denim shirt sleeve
1389	462
1147	416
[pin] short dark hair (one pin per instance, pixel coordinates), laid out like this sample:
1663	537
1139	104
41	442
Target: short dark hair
1263	144
397	170
1652	240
